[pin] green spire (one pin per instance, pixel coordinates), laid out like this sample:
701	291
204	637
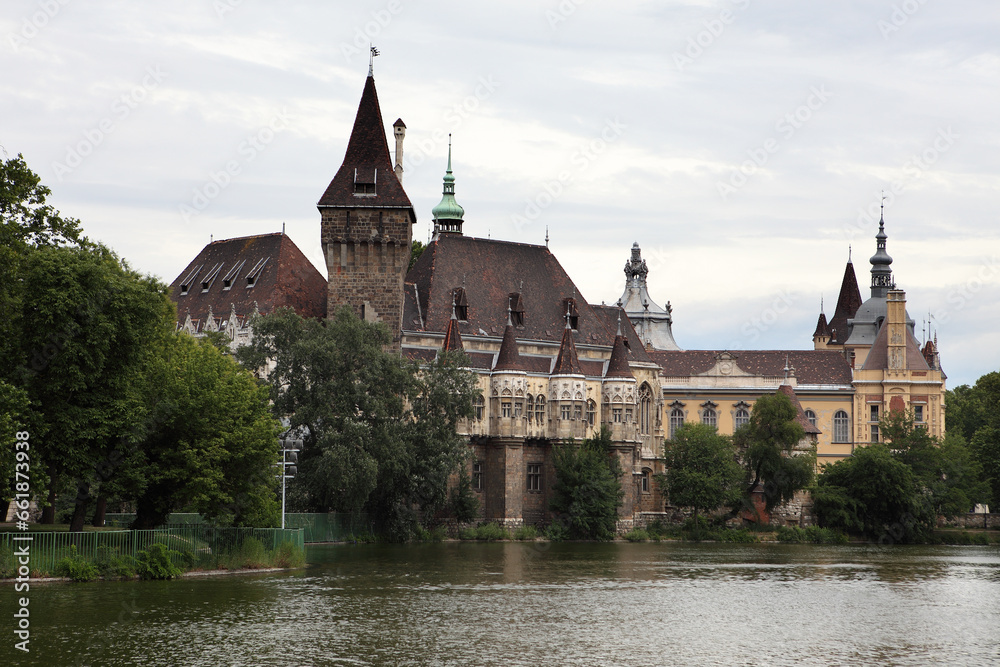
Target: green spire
448	214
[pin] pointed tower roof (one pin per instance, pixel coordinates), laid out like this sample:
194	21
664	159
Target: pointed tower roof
618	364
447	215
821	327
508	359
847	305
367	163
651	322
800	415
452	336
567	363
881	263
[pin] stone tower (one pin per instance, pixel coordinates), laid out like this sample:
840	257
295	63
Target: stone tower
367	224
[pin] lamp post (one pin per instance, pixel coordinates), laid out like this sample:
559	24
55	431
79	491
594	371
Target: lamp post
289	457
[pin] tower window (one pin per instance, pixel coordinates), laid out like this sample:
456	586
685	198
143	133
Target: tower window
540	410
480	406
591	412
534	477
461	303
477	476
811	416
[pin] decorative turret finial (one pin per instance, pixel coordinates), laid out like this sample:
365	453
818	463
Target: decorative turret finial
371	59
453	315
619	322
568	315
546	236
510	320
448	215
881	263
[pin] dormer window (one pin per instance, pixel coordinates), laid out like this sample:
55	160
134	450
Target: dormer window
516	305
227	280
209	278
461	304
365	182
189	279
569	306
255	272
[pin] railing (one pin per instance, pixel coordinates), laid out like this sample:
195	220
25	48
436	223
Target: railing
47	548
317	527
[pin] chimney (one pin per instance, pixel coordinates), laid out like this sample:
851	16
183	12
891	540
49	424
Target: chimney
399	130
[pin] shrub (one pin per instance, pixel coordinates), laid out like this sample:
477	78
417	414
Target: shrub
113	565
812	534
637	535
289	555
557	532
156	562
491	532
464	502
8	568
76	567
737	535
526	533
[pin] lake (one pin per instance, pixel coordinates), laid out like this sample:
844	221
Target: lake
661	604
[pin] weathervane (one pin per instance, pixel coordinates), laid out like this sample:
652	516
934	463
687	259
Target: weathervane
371	58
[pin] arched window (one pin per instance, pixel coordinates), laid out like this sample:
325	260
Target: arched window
841	427
591	412
676	420
480	406
710	417
811	416
742	417
540	410
645	410
529	408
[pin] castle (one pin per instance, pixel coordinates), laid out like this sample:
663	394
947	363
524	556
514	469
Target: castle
550	366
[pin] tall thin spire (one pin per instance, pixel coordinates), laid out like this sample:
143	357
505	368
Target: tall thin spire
371	59
881	262
448	215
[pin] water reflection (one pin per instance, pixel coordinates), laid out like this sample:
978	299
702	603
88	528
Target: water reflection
520	604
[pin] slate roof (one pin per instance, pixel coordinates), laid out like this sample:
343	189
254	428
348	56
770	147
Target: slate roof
490	271
618	364
878	355
847	305
567	363
508	358
811	366
282	276
367	160
821	327
800	415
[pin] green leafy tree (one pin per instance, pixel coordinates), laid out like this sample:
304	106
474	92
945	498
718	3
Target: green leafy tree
872	493
416	250
947	473
380	434
85	332
210	444
702	469
765	444
975	412
588	490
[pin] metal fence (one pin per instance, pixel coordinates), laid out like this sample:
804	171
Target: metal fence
47	548
317	527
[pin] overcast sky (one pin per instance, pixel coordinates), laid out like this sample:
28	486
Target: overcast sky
744	144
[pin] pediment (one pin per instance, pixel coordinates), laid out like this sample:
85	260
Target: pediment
725	366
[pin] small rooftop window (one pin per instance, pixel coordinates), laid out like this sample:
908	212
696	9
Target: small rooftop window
255	272
461	304
227	281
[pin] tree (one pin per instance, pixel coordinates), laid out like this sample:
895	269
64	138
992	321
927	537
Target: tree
873	494
702	469
588	490
25	219
380	433
210	442
416	250
946	472
84	335
765	444
975	412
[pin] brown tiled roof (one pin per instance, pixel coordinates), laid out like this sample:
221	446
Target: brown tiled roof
847	305
811	366
490	271
618	364
567	363
800	415
821	327
508	359
284	277
367	160
878	356
633	345
452	337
